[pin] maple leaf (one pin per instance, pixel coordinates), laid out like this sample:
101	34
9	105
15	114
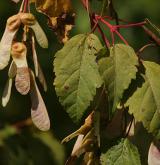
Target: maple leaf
61	16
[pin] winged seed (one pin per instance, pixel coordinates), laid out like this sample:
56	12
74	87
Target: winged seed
39	112
7	92
11	29
40	35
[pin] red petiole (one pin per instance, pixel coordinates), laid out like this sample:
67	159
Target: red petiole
131	25
85	4
25	9
103	36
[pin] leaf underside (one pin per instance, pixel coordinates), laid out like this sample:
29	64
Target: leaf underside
77	75
117	71
125	153
144	104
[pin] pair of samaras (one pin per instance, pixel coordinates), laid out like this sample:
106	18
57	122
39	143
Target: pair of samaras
12	26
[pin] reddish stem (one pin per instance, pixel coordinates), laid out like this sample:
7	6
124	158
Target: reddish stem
152	35
106	41
112	35
85	4
144	47
25	6
131	25
113	28
95	20
121	37
106	23
110	18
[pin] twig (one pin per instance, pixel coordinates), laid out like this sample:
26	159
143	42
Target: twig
152	35
144	47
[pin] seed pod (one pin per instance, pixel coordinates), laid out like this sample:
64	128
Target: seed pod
27	18
12	70
7	92
16	1
11	29
42	78
87	146
154	155
40	35
39	112
35	59
22	81
38	70
13	23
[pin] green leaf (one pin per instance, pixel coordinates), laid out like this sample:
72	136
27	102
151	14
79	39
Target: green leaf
117	71
125	153
144	104
77	75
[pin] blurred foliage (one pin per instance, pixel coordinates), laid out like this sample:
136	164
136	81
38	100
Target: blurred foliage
29	146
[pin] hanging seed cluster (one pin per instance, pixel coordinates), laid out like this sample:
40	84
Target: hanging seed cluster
19	71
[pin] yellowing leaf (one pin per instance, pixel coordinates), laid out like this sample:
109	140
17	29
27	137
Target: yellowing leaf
39	112
118	70
83	130
77	75
61	16
53	8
